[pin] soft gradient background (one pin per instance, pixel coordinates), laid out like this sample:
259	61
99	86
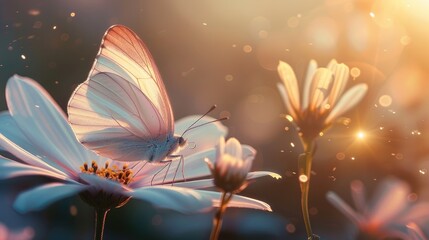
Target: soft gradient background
226	52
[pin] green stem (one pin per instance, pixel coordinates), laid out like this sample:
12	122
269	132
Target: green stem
304	162
218	218
100	220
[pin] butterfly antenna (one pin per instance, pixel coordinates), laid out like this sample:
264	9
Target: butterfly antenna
205	114
216	120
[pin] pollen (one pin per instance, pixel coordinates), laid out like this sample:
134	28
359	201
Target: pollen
119	174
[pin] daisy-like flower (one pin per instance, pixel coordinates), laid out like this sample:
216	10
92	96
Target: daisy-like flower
321	103
231	165
390	214
230	171
322	99
36	131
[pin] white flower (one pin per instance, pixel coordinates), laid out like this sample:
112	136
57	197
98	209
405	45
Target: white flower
390	213
232	164
36	131
322	99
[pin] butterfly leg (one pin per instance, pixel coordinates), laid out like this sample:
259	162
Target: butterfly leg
167	164
143	165
182	165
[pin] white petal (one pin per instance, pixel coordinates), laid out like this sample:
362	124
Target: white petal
245	202
11	169
290	83
196	184
200	138
332	65
312	66
349	100
43	122
237	201
11	131
40	197
258	174
341	75
34	160
233	148
179	199
390	199
105	184
344	208
286	100
320	88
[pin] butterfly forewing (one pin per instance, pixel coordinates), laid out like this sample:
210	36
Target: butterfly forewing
124	53
122	109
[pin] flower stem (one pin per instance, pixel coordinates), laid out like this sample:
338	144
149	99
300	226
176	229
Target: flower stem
218	218
100	220
304	163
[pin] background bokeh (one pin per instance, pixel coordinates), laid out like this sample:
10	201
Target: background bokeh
226	52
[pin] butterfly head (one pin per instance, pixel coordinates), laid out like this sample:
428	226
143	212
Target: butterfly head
182	141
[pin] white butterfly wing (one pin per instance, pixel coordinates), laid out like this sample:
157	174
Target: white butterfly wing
122	108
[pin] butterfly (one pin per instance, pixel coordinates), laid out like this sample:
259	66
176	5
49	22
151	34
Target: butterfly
122	111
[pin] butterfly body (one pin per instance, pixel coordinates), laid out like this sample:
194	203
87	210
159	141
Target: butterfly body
122	110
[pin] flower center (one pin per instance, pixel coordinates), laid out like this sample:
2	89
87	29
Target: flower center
99	198
122	175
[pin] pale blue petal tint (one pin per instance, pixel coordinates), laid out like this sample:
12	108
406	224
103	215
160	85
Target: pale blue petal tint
179	199
11	169
40	197
199	138
43	123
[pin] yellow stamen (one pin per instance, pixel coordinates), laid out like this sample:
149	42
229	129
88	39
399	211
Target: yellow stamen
114	173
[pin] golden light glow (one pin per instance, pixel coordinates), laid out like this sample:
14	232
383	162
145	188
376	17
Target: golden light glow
360	135
385	100
303	178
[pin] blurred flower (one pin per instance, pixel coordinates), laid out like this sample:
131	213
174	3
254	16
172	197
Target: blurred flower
230	171
390	214
322	98
24	234
36	131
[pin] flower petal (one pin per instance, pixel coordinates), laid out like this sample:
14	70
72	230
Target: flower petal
11	169
199	138
236	201
415	232
312	66
320	88
168	197
40	197
258	174
343	207
43	123
233	148
341	75
96	183
286	101
34	160
414	213
347	101
11	131
390	199
206	183
290	83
